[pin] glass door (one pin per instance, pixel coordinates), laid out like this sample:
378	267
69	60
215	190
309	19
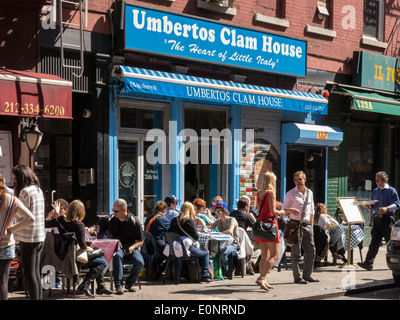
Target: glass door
139	181
128	173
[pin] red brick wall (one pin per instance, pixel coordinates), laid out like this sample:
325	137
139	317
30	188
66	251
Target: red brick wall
323	53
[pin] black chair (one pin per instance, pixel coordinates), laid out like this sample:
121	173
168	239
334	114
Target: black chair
150	251
170	238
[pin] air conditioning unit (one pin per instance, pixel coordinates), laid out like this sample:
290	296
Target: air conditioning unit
222	3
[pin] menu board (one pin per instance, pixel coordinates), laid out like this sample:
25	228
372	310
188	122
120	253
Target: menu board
6	157
351	210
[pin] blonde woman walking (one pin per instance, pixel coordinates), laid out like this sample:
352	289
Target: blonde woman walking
266	204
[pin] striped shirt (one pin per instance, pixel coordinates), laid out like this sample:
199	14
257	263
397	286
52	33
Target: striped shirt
18	212
32	198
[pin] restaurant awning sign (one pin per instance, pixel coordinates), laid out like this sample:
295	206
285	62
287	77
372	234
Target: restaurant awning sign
173	85
188	38
29	94
376	71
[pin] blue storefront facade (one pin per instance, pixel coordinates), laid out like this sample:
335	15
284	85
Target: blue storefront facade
195	135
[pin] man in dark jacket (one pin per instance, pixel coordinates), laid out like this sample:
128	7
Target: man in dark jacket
245	220
242	215
127	229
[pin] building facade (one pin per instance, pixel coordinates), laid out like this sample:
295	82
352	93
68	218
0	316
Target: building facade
148	76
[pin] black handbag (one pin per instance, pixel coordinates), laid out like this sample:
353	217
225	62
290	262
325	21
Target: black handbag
95	253
265	230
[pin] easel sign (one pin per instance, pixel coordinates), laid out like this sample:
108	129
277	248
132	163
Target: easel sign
352	214
351	210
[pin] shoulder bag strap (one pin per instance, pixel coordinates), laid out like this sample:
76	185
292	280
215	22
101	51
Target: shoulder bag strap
61	225
3	229
262	204
185	231
303	213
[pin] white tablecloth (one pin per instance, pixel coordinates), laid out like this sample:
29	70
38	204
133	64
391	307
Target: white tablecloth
223	239
357	235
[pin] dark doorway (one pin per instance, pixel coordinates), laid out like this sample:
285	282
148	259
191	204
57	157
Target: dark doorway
311	160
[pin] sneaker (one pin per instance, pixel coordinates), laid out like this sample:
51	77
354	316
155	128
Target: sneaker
120	291
58	285
130	288
206	280
365	266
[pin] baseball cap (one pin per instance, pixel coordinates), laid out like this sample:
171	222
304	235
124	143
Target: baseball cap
221	204
245	199
171	199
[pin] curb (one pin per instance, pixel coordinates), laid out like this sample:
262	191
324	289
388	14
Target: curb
362	288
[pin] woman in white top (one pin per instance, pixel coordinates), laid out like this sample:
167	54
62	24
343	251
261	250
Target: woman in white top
323	219
10	208
27	189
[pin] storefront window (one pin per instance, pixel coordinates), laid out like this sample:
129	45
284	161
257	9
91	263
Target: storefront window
152	181
54	160
205	170
361	161
141	118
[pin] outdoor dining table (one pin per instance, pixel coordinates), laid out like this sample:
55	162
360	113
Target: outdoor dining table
109	246
357	235
222	240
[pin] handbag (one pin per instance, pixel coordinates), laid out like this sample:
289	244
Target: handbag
95	253
292	233
265	230
82	256
87	256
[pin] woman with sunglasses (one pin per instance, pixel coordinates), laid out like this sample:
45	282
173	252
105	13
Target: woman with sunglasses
266	205
228	225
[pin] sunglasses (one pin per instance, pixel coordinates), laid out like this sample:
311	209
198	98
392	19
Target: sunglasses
116	211
218	211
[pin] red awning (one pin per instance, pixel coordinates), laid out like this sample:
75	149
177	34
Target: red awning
29	94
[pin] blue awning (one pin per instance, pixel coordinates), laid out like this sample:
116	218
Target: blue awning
308	134
188	87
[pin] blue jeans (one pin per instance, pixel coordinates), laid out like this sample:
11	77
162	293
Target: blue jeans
98	263
135	258
204	260
225	252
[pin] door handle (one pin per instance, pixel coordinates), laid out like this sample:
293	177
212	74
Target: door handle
52	195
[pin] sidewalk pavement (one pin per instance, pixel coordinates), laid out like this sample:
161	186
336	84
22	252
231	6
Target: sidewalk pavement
334	281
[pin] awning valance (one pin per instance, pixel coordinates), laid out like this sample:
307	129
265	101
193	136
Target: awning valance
309	134
188	87
373	102
30	94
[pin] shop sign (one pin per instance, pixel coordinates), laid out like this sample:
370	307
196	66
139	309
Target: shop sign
181	36
322	135
377	72
127	174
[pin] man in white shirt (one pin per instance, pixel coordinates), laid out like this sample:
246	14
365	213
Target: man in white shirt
296	199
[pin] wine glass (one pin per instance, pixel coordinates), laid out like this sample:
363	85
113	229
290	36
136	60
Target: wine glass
96	229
